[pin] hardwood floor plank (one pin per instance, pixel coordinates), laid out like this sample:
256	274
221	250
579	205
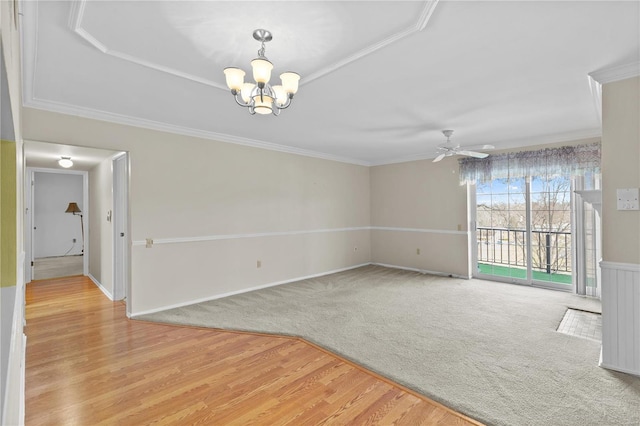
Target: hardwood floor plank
87	364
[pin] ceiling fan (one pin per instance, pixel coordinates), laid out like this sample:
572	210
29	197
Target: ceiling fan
448	149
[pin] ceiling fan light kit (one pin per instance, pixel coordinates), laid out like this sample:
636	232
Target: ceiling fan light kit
261	97
448	149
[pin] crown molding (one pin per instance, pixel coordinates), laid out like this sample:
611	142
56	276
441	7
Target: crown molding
420	25
620	72
63	108
76	16
94	114
596	94
609	75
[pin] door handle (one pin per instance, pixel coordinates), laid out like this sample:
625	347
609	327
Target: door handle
122	234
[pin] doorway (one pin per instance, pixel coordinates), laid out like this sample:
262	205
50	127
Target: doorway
121	240
524	230
56	239
104	209
534	230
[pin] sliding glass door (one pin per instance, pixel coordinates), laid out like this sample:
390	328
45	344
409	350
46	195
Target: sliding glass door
524	230
531	226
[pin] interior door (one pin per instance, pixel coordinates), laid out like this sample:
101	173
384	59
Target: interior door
120	227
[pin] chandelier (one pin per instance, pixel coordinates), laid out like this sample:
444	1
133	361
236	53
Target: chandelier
261	97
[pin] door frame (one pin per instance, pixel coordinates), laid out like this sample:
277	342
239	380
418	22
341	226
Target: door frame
29	184
529	281
121	224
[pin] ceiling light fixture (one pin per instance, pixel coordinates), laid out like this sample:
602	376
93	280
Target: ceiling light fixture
65	162
261	97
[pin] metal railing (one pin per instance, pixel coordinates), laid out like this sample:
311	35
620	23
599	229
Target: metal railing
550	250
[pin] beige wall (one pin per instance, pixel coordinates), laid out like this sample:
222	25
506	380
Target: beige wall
427	207
101	237
425	201
620	169
248	204
183	187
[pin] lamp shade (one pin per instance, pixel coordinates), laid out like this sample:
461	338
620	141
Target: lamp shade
234	77
261	70
263	104
281	95
73	208
247	88
290	81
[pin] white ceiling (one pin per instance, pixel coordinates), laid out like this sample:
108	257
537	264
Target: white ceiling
380	79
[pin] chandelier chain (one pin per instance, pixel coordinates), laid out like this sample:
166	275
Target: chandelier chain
261	51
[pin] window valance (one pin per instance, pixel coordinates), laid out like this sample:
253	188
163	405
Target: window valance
566	160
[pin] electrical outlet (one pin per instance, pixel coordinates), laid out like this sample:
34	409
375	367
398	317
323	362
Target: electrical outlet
259	264
417	251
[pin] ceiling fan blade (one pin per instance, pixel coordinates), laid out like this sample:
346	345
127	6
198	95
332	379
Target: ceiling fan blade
438	158
474	154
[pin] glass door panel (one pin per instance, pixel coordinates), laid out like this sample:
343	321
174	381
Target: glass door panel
501	229
551	251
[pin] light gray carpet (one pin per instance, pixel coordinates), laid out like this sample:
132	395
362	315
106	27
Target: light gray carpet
486	349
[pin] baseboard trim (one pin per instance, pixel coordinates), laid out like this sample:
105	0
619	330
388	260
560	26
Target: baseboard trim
246	290
422	271
100	286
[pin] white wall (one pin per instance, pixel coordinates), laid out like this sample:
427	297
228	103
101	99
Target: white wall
13	402
7	301
54	229
100	202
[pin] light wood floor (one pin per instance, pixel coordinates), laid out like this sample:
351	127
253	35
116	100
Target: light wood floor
87	364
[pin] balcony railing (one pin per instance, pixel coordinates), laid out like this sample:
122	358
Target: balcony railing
550	250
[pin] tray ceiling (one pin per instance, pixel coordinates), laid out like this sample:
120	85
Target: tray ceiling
380	79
